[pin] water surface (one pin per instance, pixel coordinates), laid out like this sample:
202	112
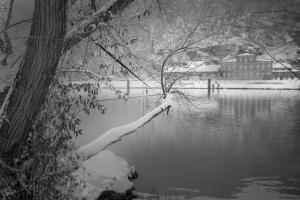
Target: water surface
241	144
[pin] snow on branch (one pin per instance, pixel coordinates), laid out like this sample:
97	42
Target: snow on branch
89	25
115	134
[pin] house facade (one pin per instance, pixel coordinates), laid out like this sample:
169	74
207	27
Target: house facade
246	67
243	67
284	71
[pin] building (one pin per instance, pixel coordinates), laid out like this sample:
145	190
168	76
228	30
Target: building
243	67
246	67
284	71
194	70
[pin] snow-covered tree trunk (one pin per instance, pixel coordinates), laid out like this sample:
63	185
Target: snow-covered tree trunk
115	134
36	72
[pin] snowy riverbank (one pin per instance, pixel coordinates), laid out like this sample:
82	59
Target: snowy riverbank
105	171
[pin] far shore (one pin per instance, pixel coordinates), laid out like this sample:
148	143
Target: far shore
201	84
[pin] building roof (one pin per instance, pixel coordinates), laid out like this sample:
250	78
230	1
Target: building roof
259	58
194	66
229	58
285	70
246	54
279	65
232	58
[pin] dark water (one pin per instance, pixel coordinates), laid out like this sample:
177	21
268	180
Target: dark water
240	144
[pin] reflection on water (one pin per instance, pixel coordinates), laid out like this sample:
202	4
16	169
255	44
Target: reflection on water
234	144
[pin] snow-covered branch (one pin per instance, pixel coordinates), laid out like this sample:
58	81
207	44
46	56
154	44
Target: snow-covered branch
115	134
89	25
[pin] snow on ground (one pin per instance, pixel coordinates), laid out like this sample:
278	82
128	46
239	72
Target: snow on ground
104	171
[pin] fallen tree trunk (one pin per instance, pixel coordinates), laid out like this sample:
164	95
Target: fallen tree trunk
116	134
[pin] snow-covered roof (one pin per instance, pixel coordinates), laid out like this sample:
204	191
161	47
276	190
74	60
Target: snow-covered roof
232	58
279	65
229	58
263	59
285	70
246	54
194	66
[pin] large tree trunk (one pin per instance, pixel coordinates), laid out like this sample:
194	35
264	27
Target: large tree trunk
36	72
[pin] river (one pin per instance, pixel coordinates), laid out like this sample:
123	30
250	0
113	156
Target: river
233	144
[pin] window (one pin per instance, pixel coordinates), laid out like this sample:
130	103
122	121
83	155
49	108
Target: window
270	66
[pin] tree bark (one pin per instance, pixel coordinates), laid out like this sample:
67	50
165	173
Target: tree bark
36	72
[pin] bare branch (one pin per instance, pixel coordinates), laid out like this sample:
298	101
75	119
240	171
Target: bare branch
89	26
121	63
15	24
179	77
190	35
8	48
174	52
276	11
9	13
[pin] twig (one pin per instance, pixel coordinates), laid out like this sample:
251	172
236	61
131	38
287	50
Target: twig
276	11
121	63
8	48
15	24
